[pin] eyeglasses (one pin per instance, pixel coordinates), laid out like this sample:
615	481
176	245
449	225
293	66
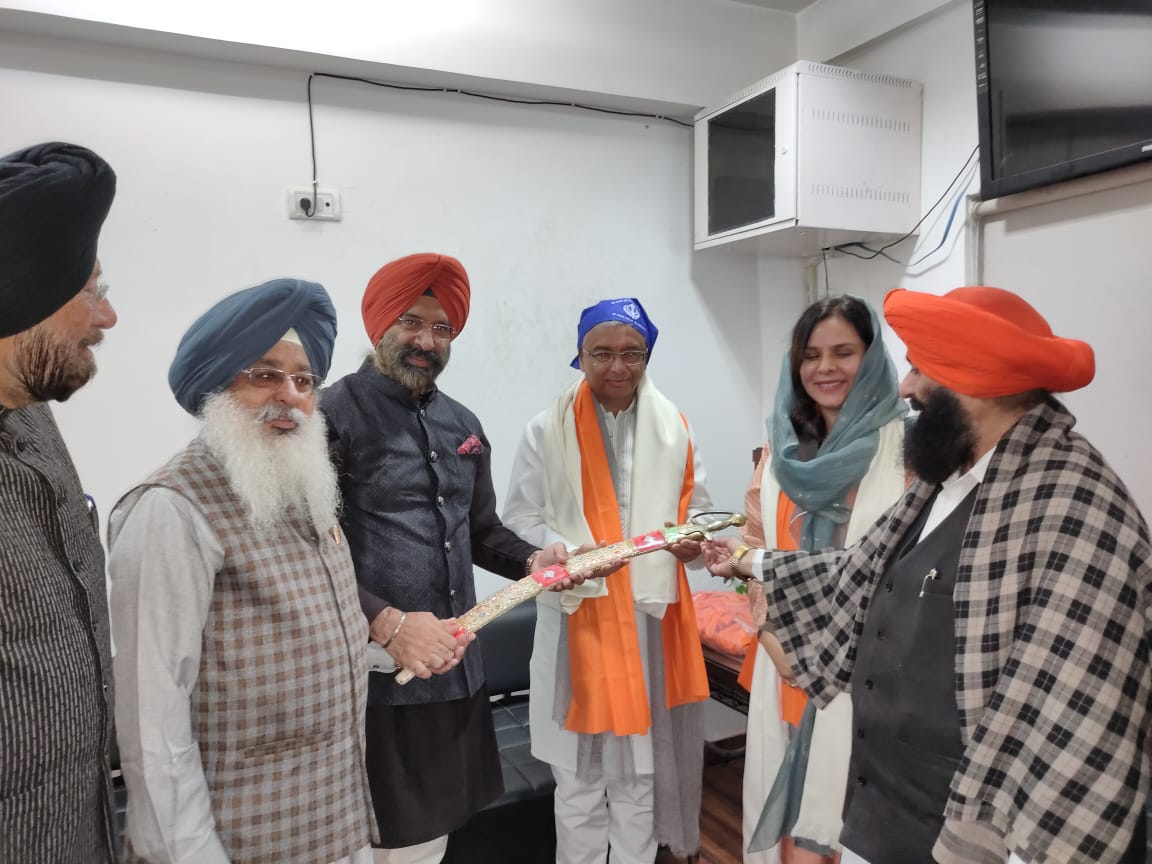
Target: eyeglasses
97	293
267	378
630	358
414	326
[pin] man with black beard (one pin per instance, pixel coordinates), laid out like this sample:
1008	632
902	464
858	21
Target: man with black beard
992	626
419	511
942	441
241	664
55	663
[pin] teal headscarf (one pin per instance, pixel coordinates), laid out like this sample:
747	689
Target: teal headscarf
819	486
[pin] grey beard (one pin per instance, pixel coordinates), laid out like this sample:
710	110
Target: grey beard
389	357
51	370
275	476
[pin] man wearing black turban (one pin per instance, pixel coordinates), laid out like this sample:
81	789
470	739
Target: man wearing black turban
240	660
55	664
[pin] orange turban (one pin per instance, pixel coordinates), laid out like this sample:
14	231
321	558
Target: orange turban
986	342
395	287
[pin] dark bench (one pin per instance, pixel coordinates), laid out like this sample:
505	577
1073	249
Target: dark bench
519	826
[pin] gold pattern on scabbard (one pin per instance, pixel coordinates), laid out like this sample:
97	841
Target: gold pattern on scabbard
491	608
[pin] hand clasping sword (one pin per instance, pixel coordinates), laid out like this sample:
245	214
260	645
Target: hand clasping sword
491	608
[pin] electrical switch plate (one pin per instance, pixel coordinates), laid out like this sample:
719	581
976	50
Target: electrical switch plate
325	207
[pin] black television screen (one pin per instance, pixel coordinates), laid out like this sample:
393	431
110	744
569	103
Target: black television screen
1064	89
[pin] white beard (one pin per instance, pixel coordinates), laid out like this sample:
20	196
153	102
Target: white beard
274	475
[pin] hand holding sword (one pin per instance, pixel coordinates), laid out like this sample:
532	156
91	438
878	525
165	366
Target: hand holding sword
596	561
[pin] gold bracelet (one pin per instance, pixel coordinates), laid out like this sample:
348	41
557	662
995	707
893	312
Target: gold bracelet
528	571
734	562
388	641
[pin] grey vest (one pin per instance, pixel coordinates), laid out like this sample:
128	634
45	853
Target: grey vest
906	724
55	668
278	710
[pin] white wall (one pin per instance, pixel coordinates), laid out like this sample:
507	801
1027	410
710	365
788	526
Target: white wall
681	52
549	210
1083	263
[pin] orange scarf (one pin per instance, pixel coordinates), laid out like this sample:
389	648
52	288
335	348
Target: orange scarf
609	693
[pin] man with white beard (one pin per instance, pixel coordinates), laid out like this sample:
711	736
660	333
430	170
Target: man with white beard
240	643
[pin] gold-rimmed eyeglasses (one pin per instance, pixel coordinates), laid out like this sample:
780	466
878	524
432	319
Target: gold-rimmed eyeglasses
267	378
414	326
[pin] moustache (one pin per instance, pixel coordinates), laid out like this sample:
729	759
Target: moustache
432	357
280	412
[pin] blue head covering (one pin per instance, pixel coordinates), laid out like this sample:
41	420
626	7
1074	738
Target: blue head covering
241	327
819	485
624	310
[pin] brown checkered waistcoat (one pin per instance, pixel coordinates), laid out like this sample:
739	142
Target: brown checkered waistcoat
278	709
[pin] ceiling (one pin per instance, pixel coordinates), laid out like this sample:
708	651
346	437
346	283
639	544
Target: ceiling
782	5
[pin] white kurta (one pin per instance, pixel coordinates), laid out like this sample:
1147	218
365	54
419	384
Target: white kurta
523	513
162	571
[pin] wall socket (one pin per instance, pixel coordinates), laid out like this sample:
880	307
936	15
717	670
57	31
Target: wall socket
326	207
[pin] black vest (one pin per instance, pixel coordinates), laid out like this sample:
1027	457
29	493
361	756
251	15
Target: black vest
907	740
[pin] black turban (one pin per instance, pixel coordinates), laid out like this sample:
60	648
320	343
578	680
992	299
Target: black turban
53	199
239	329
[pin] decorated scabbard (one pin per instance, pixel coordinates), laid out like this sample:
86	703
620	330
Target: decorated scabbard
584	564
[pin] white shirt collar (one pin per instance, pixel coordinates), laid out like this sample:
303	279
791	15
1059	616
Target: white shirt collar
973	476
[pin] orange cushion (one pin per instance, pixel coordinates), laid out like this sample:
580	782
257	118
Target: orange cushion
725	621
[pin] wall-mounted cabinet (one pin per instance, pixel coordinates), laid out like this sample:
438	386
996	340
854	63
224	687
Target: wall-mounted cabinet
810	157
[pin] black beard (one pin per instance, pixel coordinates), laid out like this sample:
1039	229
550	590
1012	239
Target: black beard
390	357
53	371
941	441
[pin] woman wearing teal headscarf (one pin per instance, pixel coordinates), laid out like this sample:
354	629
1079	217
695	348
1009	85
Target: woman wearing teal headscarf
833	464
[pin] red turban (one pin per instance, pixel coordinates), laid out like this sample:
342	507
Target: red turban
395	287
986	342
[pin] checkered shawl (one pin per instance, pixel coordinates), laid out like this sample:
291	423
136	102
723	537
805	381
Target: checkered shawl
278	709
1052	655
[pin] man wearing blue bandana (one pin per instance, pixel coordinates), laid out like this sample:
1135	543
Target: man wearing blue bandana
241	661
617	670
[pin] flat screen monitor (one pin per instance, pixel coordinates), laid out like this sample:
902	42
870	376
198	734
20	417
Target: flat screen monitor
1064	89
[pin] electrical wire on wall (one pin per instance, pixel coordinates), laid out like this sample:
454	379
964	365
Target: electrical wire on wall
848	248
310	208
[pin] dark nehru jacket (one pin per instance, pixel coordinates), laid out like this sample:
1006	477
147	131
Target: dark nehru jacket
419	511
907	728
55	668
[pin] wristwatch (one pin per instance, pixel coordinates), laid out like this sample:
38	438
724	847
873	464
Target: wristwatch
734	562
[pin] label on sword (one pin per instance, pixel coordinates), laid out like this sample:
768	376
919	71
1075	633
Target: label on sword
549	576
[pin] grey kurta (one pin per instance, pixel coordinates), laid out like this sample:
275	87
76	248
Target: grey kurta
55	668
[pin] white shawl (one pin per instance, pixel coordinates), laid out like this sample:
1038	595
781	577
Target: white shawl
659	460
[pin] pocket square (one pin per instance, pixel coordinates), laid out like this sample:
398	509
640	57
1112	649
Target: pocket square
470	447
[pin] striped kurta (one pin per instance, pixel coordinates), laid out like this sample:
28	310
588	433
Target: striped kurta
55	667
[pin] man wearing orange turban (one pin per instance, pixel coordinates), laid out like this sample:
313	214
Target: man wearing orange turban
992	626
419	511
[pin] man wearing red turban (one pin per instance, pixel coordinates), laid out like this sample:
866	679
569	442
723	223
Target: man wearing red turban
419	510
992	626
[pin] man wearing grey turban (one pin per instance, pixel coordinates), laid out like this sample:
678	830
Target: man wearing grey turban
240	664
55	668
